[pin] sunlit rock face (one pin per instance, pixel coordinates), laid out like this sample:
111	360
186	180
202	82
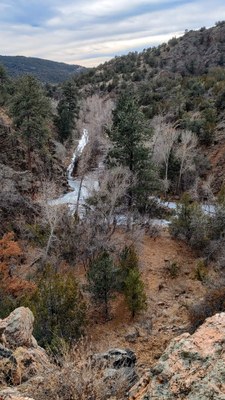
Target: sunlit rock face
192	367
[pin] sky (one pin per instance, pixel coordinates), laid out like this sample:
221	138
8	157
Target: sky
89	32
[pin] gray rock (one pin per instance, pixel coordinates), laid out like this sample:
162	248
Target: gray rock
117	358
191	368
18	328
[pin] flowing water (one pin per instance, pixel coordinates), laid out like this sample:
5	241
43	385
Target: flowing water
91	182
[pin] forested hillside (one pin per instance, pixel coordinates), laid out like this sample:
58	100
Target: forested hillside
45	70
183	81
112	211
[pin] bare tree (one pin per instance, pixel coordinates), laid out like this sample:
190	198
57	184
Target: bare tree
104	211
164	139
207	189
51	212
186	152
95	114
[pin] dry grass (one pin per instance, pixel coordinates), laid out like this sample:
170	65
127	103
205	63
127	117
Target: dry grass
78	376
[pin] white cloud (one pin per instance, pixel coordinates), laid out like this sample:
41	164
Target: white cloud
90	32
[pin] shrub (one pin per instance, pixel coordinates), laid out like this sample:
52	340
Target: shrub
130	280
191	224
201	271
58	307
180	225
172	42
213	302
102	280
134	292
172	268
81	376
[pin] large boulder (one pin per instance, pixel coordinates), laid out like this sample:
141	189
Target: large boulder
191	368
118	366
17	328
20	356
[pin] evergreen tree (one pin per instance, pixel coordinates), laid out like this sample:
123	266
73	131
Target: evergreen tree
58	308
131	283
30	110
128	260
67	111
129	135
102	278
4	80
134	292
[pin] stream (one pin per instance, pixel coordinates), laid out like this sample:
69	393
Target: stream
91	182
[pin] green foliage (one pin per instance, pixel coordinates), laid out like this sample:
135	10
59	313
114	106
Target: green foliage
58	308
180	225
44	70
128	258
102	280
201	271
221	196
30	109
37	234
217	225
131	282
172	42
191	224
129	134
8	303
4	80
67	111
134	292
172	269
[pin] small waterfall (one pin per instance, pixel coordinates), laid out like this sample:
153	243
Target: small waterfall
81	145
70	198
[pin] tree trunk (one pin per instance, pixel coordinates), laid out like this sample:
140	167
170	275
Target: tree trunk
78	195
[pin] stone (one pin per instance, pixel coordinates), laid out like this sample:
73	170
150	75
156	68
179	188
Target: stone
18	327
192	367
12	394
30	362
20	356
117	358
132	335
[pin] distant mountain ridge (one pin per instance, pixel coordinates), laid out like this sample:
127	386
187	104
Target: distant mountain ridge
45	70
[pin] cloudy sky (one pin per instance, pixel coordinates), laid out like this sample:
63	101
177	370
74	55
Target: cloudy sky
88	32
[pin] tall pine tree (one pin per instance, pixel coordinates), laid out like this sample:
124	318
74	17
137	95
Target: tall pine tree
129	135
67	111
30	109
102	279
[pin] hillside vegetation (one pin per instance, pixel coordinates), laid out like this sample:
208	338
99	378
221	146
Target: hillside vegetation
116	265
45	70
183	81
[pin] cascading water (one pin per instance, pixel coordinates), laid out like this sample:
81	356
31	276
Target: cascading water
81	145
89	182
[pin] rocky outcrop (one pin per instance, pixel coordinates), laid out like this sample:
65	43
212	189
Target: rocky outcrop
192	367
118	363
17	328
14	199
12	394
20	356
